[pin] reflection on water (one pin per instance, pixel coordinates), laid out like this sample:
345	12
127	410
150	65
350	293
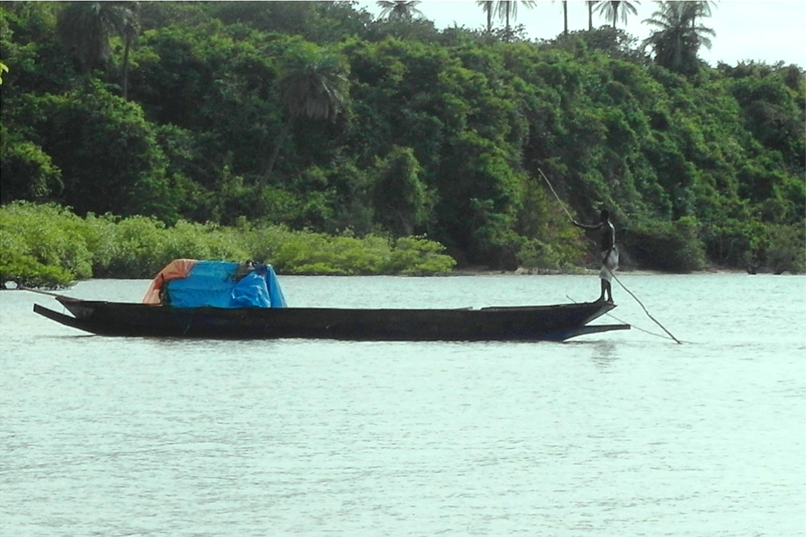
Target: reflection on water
182	437
605	352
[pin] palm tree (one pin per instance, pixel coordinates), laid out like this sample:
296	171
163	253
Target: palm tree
610	10
508	9
679	35
85	28
488	7
565	16
591	5
314	86
705	7
399	9
129	30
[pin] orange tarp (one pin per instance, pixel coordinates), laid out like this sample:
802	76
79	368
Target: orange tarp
172	271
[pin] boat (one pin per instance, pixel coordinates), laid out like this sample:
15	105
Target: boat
512	323
173	307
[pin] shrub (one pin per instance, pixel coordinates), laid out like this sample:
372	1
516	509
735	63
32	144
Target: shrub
42	245
784	251
48	246
26	271
420	256
667	246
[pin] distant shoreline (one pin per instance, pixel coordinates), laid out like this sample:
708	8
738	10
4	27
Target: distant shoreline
481	271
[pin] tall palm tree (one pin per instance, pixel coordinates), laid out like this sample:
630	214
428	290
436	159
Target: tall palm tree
508	10
591	4
313	86
85	28
488	7
679	35
565	16
129	30
612	10
399	9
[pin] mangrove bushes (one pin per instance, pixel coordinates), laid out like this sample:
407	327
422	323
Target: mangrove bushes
48	246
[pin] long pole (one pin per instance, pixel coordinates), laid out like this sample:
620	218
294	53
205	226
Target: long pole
608	269
659	324
634	326
41	292
562	205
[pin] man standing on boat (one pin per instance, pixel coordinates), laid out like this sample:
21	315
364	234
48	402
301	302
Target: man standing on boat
609	252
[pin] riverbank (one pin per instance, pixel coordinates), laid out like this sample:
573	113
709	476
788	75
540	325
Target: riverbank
46	246
483	271
11	285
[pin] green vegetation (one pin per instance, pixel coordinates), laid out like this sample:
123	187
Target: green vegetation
313	137
47	246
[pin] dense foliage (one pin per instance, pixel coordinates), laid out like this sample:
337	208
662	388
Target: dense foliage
47	246
313	116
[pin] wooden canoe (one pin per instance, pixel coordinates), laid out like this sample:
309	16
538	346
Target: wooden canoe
510	323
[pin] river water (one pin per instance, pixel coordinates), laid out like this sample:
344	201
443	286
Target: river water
621	433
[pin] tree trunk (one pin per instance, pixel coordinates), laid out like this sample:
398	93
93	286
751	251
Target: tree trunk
509	33
125	81
264	178
565	17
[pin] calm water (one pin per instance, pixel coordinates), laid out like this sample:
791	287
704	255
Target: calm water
621	433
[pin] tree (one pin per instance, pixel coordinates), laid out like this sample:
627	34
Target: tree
100	149
565	16
85	28
508	9
705	7
399	9
591	5
488	7
679	36
402	202
314	86
129	30
610	10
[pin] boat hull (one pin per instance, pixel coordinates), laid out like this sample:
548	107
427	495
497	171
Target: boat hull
527	323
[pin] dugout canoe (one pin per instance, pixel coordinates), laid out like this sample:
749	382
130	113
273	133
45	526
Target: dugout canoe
504	323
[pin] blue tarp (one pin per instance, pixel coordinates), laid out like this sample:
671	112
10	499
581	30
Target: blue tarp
214	283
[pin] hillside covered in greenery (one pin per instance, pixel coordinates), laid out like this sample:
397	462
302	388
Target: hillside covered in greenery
316	116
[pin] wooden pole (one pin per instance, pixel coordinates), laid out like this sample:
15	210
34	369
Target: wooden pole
43	292
659	324
608	269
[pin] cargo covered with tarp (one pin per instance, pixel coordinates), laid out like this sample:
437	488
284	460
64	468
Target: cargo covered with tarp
188	283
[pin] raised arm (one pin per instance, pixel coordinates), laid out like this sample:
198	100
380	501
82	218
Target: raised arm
587	226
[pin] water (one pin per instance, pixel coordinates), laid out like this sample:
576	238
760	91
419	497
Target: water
620	433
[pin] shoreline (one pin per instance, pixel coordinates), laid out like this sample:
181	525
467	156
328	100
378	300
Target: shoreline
483	271
11	285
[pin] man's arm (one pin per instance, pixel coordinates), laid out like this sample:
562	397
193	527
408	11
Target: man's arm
587	226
